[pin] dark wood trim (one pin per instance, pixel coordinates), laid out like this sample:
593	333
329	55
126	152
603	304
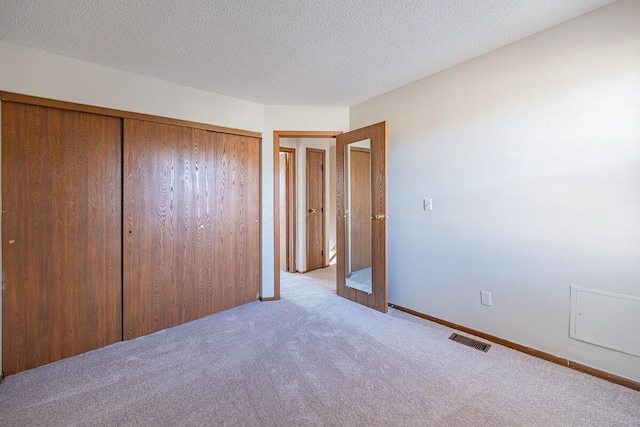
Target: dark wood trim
616	379
306	134
277	134
267	299
71	106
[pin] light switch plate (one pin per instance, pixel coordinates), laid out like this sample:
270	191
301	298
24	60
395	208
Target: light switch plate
428	204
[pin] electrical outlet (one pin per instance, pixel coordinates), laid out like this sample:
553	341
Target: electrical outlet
485	298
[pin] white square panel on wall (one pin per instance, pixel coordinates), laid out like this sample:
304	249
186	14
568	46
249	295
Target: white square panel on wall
606	319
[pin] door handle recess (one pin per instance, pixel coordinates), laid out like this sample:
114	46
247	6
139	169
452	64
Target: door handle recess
312	211
379	217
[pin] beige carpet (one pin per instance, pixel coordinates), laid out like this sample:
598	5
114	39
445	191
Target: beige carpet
311	359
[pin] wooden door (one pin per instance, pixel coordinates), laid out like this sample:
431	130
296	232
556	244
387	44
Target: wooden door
61	229
287	210
191	224
315	209
236	231
376	135
360	205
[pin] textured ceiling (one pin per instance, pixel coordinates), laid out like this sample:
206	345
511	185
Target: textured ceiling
293	52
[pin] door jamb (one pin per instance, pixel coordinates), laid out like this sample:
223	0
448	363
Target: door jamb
277	134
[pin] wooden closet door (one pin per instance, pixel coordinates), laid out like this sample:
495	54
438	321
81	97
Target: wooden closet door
237	219
191	209
61	229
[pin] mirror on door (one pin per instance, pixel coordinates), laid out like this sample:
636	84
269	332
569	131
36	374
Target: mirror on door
358	260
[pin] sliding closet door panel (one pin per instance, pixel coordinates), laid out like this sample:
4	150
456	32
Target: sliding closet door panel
165	186
237	216
185	232
61	229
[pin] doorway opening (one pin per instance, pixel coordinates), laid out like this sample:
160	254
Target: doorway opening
286	139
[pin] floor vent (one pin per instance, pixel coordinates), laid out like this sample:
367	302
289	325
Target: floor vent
470	342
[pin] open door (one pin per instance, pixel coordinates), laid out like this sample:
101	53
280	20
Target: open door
287	208
315	209
361	216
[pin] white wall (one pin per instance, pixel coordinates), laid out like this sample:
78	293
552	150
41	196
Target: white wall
301	145
37	73
278	117
531	154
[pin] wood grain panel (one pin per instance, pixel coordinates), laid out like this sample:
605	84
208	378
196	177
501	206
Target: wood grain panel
61	228
360	213
71	106
237	226
379	206
315	209
191	231
378	135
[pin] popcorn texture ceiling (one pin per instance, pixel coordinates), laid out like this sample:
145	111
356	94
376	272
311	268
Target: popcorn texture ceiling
288	52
